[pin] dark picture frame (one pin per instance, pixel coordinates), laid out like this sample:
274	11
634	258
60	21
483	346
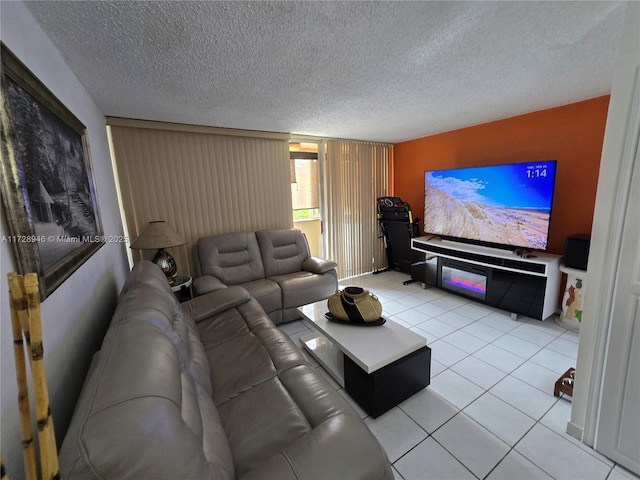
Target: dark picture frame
47	187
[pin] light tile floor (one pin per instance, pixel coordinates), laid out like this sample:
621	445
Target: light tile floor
489	412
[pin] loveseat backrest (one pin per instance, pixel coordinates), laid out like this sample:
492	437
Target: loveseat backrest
283	251
234	258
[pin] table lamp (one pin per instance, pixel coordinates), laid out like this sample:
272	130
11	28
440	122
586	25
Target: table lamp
159	235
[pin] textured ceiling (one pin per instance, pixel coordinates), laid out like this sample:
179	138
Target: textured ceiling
383	71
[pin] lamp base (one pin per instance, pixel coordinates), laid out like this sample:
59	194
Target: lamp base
167	264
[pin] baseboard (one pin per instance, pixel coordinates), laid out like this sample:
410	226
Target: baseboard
574	430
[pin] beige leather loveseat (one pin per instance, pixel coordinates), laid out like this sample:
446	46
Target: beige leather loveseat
275	266
209	390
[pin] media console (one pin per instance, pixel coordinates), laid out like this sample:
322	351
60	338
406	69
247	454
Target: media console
528	285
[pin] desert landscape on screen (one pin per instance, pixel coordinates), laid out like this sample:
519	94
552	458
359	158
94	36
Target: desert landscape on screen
448	216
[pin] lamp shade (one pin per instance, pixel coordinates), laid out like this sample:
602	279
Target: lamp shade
157	235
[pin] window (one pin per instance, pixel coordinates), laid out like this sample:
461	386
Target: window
305	195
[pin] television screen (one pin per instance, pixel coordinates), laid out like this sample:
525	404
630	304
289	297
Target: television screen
501	205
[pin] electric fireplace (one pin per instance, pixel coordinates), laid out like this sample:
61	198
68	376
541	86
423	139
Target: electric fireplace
465	279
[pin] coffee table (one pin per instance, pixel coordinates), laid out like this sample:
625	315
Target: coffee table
378	366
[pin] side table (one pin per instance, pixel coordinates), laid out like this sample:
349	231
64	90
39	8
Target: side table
182	287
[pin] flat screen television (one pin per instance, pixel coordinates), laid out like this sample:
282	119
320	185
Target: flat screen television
504	206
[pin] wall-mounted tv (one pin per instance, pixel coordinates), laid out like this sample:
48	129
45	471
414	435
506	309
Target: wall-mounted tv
505	206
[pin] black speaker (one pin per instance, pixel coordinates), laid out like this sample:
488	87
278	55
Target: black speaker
576	251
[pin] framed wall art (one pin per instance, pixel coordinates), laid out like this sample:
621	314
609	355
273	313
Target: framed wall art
47	186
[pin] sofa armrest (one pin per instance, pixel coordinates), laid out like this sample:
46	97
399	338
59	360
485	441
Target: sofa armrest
340	447
206	284
205	306
318	265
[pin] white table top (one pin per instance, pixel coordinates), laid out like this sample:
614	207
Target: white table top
573	271
370	348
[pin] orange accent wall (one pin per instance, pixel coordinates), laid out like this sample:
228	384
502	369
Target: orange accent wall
571	134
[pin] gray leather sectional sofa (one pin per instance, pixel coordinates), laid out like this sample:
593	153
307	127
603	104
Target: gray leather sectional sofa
209	389
275	266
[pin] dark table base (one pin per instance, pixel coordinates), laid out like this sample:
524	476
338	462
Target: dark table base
385	388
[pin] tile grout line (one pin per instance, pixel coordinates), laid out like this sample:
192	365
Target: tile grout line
537	421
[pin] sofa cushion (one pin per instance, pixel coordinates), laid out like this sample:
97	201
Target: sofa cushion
232	257
266	292
260	422
267	395
283	251
245	350
340	448
248	354
300	288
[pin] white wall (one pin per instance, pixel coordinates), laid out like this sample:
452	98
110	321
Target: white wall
606	234
75	316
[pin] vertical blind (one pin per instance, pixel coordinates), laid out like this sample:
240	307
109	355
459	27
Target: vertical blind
355	175
201	181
